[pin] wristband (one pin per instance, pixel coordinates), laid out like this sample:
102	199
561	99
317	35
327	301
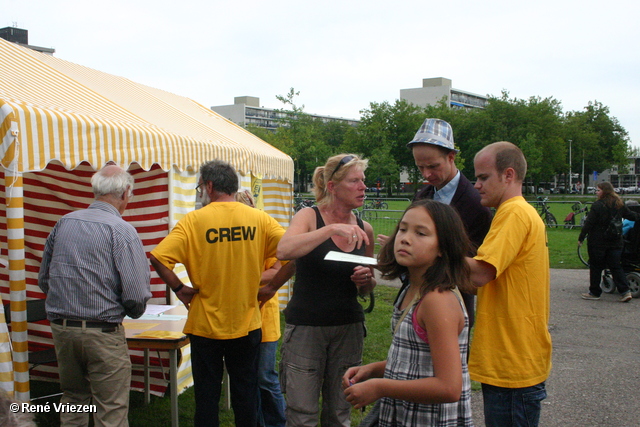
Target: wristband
178	288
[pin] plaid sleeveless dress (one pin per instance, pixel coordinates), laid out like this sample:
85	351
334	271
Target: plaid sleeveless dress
409	358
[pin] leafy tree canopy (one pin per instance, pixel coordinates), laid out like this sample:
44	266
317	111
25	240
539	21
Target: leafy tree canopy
537	125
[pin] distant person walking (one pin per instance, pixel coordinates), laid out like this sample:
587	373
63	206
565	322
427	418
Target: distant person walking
606	241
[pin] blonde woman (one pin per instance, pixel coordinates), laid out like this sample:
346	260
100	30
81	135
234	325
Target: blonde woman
324	330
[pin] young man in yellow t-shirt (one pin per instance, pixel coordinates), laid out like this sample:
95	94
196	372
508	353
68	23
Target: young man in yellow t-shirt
511	347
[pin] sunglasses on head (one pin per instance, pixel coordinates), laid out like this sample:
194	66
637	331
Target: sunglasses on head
343	161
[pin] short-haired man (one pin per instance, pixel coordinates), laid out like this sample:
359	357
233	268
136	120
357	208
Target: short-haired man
511	347
94	271
223	247
435	156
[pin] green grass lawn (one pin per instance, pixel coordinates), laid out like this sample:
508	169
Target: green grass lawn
158	412
563	242
562	253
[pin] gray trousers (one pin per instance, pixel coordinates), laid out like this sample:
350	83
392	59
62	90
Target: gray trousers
314	359
95	368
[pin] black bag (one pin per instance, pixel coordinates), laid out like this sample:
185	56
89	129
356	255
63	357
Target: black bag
614	229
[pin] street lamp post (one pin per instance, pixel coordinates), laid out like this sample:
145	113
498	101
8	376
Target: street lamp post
569	188
583	183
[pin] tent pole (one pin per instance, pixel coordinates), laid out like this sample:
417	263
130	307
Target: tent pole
17	282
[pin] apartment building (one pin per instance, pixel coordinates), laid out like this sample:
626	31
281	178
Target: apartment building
246	110
436	88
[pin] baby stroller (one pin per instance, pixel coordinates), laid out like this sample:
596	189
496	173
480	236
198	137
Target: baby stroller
630	260
631	256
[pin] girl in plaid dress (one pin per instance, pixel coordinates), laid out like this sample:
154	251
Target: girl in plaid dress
425	380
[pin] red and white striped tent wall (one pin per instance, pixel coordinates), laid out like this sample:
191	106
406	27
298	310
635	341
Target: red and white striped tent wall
59	123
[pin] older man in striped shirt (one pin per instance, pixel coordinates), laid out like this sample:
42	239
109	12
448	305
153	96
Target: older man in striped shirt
94	271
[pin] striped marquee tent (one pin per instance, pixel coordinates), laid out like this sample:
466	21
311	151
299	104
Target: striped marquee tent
59	123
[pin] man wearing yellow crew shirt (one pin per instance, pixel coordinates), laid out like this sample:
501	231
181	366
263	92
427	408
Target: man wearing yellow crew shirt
223	247
511	347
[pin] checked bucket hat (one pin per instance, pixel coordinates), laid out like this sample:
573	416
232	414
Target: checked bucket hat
435	132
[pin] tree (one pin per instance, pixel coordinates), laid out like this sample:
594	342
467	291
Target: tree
596	137
537	125
533	153
382	136
302	137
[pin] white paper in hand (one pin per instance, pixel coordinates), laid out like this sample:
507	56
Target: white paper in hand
356	259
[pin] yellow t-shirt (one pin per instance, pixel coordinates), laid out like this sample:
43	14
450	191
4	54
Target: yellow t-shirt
271	313
223	247
511	344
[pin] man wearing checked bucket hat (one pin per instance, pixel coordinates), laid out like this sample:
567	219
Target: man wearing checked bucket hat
434	154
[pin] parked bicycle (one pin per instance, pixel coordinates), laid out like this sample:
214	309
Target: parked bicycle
543	209
376	204
578	208
300	202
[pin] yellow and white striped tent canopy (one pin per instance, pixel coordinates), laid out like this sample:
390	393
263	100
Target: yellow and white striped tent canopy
73	113
54	113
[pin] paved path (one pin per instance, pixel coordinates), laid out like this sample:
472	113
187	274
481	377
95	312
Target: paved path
595	380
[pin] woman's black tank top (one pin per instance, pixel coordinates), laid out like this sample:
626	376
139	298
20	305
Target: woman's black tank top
323	293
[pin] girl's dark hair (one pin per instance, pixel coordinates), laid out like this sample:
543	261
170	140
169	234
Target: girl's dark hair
609	196
450	269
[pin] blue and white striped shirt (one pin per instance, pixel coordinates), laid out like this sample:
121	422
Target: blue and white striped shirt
446	193
94	267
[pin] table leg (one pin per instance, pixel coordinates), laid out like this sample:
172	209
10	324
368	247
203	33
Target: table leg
173	378
147	382
227	387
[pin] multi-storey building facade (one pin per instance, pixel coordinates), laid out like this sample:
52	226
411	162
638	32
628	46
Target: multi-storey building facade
629	179
246	110
437	88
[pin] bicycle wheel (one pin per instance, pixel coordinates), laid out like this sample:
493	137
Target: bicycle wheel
384	205
583	254
551	220
367	302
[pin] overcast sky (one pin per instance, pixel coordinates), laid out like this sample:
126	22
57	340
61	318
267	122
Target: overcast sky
342	55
